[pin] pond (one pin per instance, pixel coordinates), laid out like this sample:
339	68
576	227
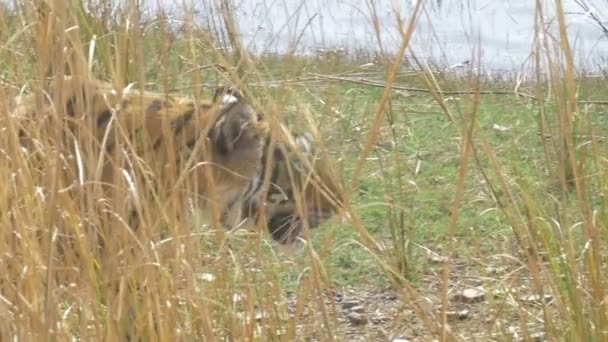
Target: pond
447	32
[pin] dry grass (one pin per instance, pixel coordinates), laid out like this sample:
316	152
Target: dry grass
542	183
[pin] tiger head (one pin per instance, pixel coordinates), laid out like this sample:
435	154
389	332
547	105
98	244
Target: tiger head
237	142
302	191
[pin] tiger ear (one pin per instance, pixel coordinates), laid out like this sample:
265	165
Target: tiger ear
226	95
239	127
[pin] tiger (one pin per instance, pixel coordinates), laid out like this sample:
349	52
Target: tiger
246	171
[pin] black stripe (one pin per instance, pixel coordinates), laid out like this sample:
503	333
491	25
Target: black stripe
250	210
155	106
178	125
248	191
180	122
103	118
157	143
69	106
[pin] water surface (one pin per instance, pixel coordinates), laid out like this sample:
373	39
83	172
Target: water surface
448	31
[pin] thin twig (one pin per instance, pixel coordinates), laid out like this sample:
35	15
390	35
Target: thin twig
422	90
591	13
601	103
448	92
304	29
318	78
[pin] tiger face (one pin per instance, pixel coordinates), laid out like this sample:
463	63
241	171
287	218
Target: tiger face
295	189
302	191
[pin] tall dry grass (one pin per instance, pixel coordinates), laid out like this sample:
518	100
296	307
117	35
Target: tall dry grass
559	231
172	280
150	283
169	279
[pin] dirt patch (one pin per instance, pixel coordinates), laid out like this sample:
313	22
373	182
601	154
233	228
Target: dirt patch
486	301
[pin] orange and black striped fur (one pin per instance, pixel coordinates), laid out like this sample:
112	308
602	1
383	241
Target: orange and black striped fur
222	153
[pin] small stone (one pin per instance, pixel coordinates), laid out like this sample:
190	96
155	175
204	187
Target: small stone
391	296
358	309
461	314
349	304
471	295
357	318
400	340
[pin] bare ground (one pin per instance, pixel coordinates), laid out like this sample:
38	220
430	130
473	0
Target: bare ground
488	299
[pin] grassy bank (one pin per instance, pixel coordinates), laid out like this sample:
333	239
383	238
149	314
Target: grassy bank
462	183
